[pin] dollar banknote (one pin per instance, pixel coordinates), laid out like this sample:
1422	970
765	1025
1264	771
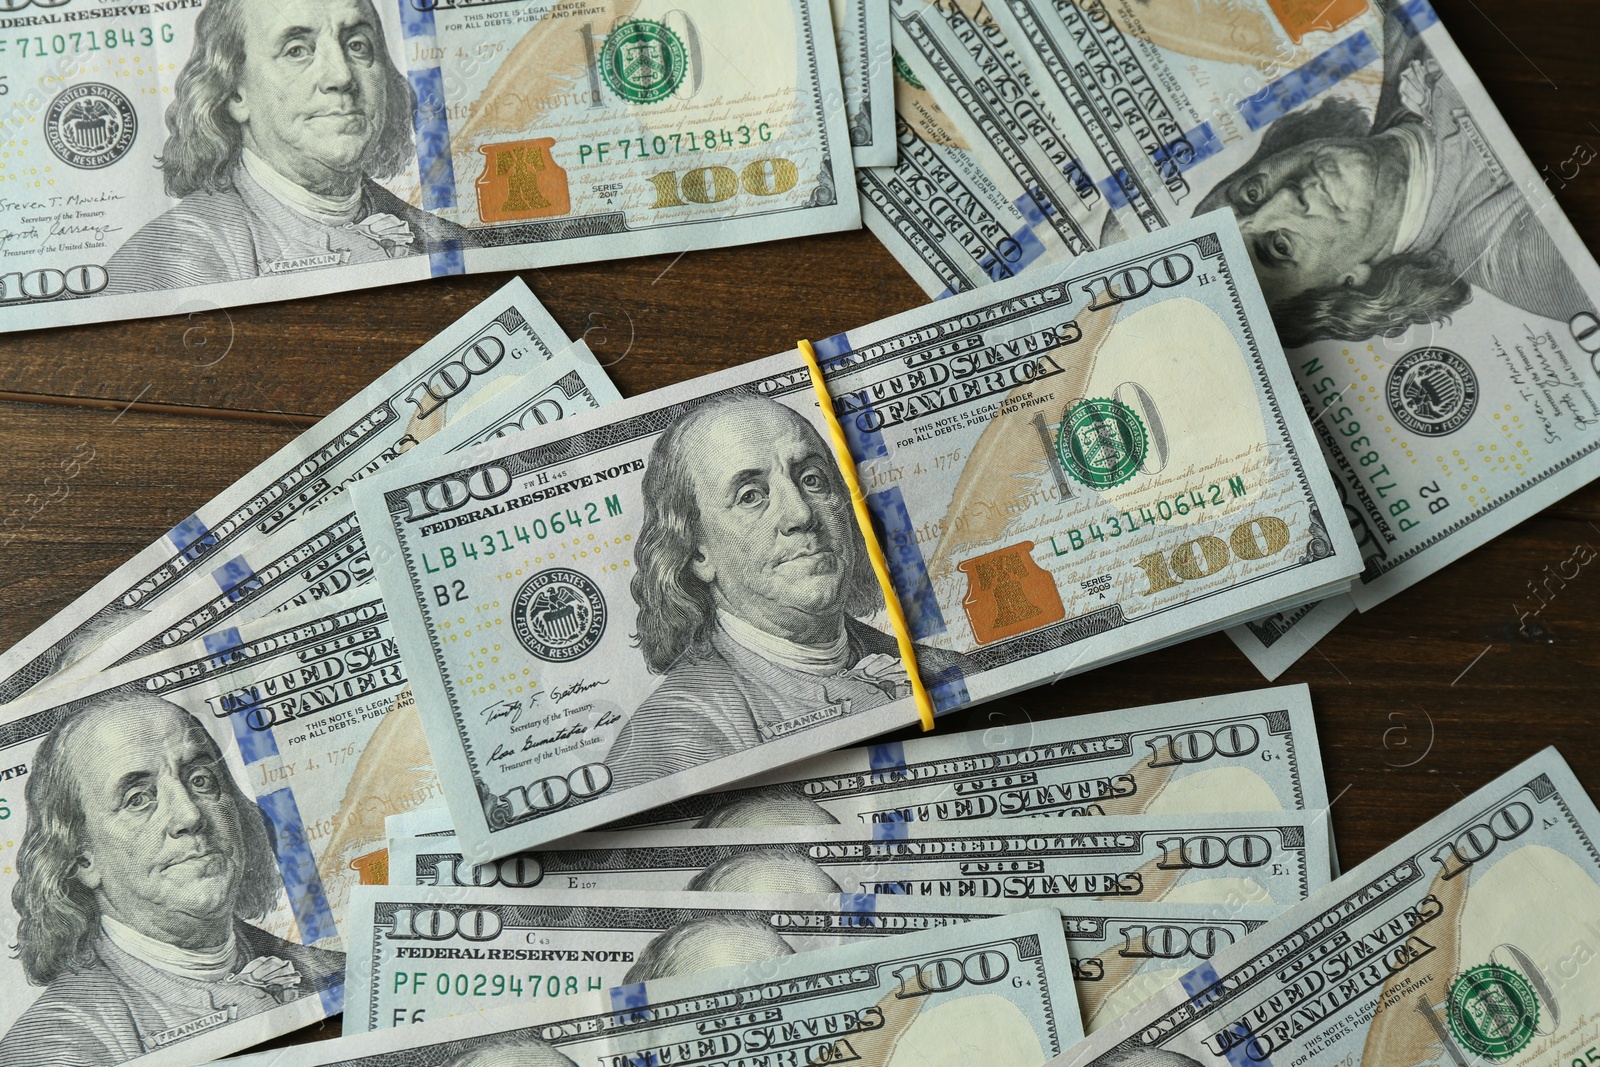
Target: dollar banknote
1066	469
223	797
502	340
867	71
420	953
1221	858
209	155
324	553
1429	952
997	989
312	702
970	71
1438	308
951	222
1253	751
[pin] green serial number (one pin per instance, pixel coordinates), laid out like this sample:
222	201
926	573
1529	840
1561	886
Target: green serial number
559	522
675	144
447	984
61	44
1181	503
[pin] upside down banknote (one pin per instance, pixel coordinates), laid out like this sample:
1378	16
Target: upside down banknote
1220	858
1429	952
244	150
997	989
1253	751
489	349
673	594
1438	308
323	554
422	952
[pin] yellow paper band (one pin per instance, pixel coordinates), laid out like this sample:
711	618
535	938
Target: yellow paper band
880	566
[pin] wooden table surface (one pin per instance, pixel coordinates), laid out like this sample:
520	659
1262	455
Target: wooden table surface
1418	702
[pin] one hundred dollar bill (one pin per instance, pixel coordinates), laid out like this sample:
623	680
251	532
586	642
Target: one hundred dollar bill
1470	940
1438	308
952	223
422	952
245	151
1222	858
1254	751
502	340
224	796
672	594
324	554
866	69
999	990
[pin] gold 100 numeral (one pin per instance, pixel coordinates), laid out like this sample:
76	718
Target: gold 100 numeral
712	185
1206	555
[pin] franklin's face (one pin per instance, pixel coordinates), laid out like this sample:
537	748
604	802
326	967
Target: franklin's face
1316	215
161	846
774	528
313	90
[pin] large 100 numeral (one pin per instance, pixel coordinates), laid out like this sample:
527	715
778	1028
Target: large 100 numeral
1208	851
48	283
1167	942
438	924
448	494
1203	556
549	794
1198	745
447	380
984	967
1506	823
513	872
712	185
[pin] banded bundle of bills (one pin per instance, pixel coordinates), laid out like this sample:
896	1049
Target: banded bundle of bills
1438	308
236	151
218	731
670	595
517	751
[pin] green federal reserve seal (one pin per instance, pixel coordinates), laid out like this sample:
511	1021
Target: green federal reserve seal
1101	443
643	61
1493	1011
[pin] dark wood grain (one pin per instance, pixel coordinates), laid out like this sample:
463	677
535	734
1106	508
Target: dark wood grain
1418	702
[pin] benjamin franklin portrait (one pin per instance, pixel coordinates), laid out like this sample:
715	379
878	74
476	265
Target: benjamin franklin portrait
751	576
1365	225
283	121
141	869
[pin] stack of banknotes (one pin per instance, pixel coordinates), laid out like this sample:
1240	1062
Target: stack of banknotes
522	723
488	715
1439	311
